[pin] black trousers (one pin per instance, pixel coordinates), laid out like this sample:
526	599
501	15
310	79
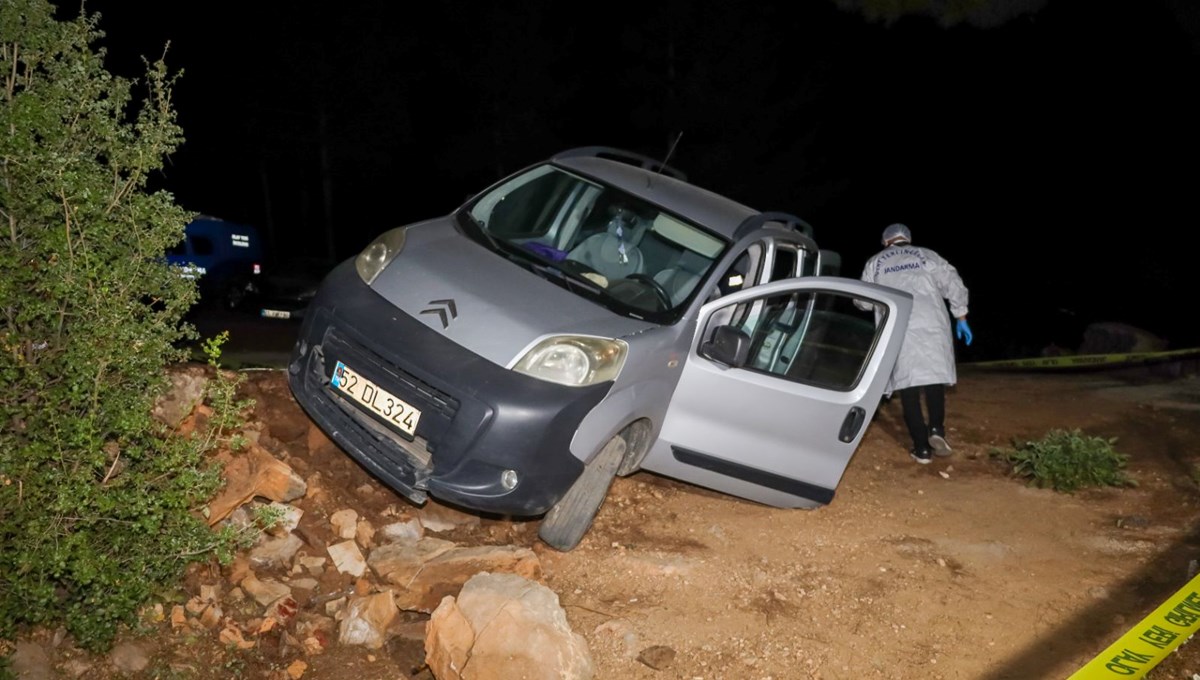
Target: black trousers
915	418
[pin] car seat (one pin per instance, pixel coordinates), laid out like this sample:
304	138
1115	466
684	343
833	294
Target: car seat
680	279
614	252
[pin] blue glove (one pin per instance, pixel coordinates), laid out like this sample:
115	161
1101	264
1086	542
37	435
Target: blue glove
963	332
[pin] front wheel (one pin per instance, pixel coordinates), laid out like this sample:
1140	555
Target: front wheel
565	524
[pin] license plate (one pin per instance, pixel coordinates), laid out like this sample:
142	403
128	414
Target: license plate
396	412
276	314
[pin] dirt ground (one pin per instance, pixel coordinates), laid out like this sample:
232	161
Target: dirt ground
952	570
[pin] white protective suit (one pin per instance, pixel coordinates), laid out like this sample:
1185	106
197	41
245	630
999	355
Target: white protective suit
927	354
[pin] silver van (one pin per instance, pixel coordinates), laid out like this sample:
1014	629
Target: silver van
590	316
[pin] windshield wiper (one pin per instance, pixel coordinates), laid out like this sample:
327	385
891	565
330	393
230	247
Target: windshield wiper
534	264
482	228
550	272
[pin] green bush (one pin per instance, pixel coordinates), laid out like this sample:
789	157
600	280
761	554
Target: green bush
97	502
1068	461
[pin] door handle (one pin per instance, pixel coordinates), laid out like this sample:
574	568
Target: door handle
851	425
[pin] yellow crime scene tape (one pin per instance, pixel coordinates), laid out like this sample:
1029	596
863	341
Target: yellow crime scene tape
1086	360
1151	640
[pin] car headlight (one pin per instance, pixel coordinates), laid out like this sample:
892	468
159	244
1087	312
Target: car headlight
376	256
574	360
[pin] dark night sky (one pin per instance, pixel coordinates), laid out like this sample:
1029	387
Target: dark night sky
1052	157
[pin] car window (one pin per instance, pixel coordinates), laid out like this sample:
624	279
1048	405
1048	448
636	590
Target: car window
201	245
530	210
627	253
737	276
791	261
784	264
808	263
740	274
813	337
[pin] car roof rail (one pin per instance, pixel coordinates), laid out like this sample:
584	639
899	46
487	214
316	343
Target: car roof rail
630	157
789	221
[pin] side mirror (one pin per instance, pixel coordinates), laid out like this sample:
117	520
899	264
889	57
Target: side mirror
729	346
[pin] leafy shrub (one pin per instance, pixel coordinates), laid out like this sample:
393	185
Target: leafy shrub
97	500
1068	461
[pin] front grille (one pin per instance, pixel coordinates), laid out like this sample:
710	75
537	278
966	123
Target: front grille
336	346
438	409
402	469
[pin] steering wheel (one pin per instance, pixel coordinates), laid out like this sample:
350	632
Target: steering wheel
661	293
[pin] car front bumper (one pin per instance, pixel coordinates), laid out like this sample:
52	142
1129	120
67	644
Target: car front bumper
478	419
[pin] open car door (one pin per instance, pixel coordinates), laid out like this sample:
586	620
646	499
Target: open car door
779	386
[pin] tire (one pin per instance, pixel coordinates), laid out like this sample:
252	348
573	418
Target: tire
565	524
637	445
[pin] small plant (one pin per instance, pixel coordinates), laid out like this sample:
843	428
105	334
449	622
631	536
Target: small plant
1068	461
221	395
231	538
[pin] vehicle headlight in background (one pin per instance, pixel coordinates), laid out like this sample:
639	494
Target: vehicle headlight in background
376	256
574	360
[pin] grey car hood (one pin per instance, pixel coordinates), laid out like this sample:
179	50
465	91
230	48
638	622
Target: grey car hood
483	301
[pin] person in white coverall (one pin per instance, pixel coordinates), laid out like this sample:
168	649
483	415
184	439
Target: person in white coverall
925	365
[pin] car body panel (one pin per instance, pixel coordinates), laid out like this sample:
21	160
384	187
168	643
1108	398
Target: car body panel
478	418
642	391
496	308
762	437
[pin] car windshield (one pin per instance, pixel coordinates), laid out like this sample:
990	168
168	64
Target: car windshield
597	241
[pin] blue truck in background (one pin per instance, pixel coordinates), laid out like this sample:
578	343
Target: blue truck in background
224	257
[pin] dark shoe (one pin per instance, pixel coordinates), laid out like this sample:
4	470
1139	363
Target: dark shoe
937	439
922	456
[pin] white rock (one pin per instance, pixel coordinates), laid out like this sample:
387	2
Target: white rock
348	558
304	583
314	565
130	657
289	518
210	593
407	532
344	522
437	517
264	592
364	533
185	392
367	620
504	626
275	552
